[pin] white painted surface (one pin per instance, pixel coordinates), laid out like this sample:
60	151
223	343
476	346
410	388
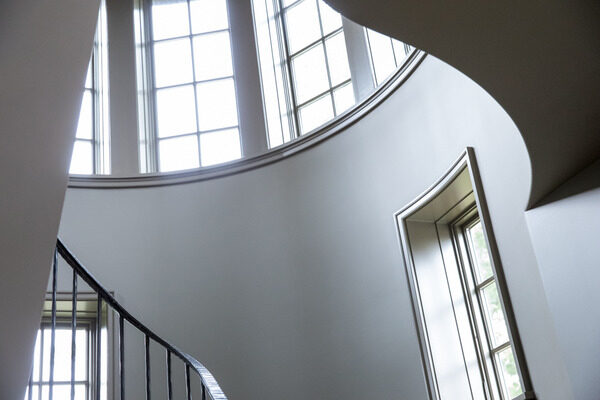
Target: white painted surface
44	52
287	281
566	238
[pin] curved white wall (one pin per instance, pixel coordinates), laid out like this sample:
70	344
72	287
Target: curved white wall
287	281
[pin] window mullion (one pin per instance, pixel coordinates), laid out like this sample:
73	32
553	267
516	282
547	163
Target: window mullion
326	58
288	61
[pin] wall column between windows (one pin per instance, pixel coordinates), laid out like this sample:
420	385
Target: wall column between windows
122	88
247	79
359	59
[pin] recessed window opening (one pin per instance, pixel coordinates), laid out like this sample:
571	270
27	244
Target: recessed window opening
91	148
467	331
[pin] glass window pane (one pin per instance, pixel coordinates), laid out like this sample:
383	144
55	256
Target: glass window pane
36	357
176	111
316	114
61	391
169	19
80	392
82	162
337	57
382	55
310	73
399	51
343	98
46	355
217	106
220	146
208	15
494	314
172	62
45	392
34	392
302	22
479	252
89	77
85	125
510	382
62	357
81	355
212	56
178	153
330	19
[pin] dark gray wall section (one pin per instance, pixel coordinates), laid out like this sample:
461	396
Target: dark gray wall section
539	59
45	48
287	281
566	239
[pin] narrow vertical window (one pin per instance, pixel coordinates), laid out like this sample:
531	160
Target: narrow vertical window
492	322
387	54
469	341
191	91
91	148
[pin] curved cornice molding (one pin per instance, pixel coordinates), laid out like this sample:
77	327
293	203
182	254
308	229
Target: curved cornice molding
538	59
332	128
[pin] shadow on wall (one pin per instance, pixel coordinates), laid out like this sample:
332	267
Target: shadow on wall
538	59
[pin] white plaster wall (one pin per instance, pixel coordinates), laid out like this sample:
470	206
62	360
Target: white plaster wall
287	281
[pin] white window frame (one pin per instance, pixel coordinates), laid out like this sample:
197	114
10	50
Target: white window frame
147	91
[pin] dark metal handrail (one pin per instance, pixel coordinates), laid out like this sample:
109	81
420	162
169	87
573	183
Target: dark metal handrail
209	385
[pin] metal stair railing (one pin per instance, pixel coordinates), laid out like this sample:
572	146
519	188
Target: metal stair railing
209	388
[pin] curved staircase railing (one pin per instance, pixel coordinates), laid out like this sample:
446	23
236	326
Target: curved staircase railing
209	388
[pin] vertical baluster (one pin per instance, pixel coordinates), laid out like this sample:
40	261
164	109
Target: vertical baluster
53	326
188	390
147	367
73	332
30	384
122	355
169	382
98	346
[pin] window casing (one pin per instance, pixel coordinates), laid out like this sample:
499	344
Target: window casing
486	308
188	107
91	149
